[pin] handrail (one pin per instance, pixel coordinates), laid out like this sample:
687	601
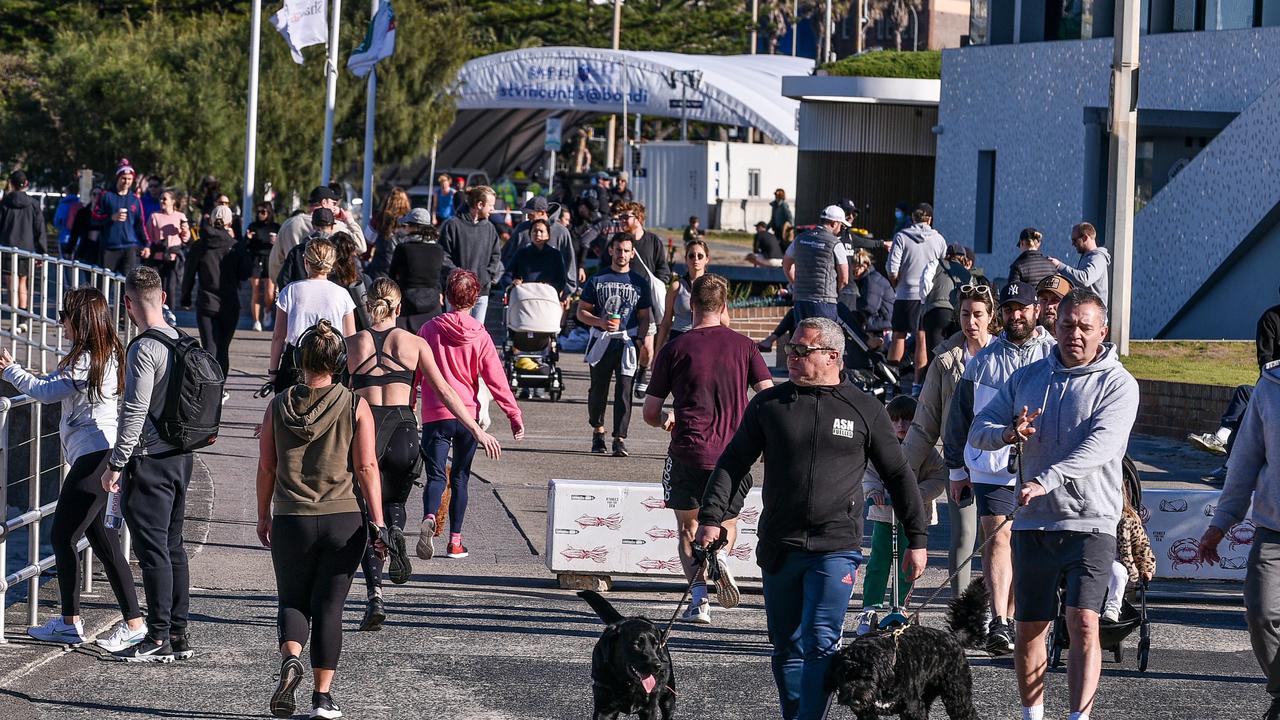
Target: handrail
35	337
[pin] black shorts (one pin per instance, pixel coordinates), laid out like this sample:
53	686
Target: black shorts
682	486
1042	560
906	316
994	500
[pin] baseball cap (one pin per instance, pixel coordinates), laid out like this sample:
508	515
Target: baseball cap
1055	284
602	175
1018	292
956	250
320	193
624	175
849	207
416	216
322	217
834	213
222	214
18	179
537	203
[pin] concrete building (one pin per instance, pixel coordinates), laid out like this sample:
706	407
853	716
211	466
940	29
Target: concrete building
1022	140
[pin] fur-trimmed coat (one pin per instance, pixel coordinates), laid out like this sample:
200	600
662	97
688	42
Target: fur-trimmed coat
1133	549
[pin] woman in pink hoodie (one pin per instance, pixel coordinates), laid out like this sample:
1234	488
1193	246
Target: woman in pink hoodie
465	355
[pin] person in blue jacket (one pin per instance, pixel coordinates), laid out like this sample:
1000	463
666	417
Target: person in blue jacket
118	215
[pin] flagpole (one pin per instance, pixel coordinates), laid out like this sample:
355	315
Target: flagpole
370	107
251	122
331	94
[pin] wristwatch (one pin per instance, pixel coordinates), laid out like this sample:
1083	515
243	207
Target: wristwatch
115	467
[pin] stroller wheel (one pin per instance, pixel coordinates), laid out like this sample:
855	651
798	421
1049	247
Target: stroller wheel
555	395
1144	653
1054	643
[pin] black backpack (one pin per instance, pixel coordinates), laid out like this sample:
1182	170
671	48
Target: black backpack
193	401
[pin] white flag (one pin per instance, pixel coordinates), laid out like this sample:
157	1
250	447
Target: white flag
303	23
379	42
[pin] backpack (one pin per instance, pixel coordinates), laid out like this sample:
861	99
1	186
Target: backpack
193	401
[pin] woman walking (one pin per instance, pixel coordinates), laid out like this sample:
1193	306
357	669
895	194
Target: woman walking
168	232
383	361
317	445
87	383
465	355
415	267
348	274
262	237
389	234
304	303
220	265
678	317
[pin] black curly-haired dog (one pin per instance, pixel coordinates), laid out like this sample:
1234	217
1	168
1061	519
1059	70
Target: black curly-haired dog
886	674
631	669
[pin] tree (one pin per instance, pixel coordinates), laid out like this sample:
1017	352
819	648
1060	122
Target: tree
895	12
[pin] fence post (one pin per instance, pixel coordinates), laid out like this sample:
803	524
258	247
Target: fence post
5	403
33	530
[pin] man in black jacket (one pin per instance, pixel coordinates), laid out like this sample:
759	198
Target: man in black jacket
21	227
817	433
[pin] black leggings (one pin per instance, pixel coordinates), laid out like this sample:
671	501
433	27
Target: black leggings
216	332
315	557
610	366
937	325
399	463
80	507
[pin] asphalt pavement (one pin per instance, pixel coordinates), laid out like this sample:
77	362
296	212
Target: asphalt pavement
492	636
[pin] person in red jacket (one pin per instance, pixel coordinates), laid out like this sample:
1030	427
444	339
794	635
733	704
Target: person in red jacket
465	355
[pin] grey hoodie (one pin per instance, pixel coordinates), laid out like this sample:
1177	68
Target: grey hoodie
1093	271
1254	470
1077	452
915	254
472	245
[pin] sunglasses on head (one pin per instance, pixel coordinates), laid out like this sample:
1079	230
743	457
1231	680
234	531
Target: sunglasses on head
804	350
976	288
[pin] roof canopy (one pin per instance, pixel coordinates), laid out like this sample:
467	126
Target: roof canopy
503	98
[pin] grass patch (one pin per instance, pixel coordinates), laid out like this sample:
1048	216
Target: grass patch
1190	361
923	65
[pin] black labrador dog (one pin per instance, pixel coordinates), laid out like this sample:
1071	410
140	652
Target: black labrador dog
631	669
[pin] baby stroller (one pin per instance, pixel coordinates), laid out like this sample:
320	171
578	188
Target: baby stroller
530	356
1111	635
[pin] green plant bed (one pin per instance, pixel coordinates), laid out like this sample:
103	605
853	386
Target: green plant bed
923	65
1190	361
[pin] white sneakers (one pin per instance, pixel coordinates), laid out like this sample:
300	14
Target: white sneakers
257	326
122	637
698	614
57	631
726	587
867	621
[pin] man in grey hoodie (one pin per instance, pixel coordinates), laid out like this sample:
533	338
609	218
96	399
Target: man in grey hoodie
1070	491
1254	475
1094	268
913	258
471	242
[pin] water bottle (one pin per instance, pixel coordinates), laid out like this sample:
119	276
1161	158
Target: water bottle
114	519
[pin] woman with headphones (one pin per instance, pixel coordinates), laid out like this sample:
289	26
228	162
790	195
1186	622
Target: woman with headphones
317	445
301	305
383	361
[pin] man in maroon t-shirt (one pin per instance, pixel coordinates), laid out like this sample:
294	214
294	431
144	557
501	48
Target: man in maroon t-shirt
707	370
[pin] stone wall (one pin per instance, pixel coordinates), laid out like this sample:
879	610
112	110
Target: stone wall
1174	409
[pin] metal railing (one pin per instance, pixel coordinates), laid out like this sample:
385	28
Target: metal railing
33	335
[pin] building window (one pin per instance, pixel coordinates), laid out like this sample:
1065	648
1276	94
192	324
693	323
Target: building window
985	202
753	182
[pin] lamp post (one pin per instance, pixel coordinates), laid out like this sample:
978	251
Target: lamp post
613	119
1123	122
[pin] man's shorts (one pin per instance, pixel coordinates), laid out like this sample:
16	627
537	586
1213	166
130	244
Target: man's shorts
906	316
682	486
994	500
1043	559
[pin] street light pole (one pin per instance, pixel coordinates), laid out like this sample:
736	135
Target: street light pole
827	55
613	119
755	23
1123	120
251	121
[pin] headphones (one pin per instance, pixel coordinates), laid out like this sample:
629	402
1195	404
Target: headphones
340	363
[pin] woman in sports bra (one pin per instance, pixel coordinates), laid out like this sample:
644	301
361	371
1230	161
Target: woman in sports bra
383	361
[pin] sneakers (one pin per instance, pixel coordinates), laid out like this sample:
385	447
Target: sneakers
181	646
1000	637
21	328
619	447
1207	442
867	621
147	650
57	631
257	326
374	615
400	569
457	551
699	614
323	706
726	587
597	443
1111	615
1217	476
642	385
122	637
282	701
426	538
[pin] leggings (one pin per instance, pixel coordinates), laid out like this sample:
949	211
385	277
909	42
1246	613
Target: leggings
315	558
399	463
216	332
937	324
80	507
437	438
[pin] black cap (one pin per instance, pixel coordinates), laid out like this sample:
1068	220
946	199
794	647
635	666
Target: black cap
321	193
322	217
1018	292
18	179
848	206
956	250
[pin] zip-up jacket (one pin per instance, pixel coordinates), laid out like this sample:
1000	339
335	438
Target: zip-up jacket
816	441
1253	475
1031	267
983	377
1268	337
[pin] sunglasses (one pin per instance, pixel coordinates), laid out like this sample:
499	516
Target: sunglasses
624	218
976	288
804	350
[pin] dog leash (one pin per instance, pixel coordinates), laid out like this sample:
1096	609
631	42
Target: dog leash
703	557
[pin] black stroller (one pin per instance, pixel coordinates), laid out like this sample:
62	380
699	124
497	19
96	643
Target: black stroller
1111	635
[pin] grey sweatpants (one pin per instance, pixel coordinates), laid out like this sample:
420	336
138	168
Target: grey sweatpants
1262	604
964	535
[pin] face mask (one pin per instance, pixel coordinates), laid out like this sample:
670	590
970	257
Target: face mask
898	214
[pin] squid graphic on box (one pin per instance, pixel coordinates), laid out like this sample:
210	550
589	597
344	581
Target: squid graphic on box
624	528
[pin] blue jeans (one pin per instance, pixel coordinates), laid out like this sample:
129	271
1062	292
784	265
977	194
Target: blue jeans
809	308
805	602
437	439
477	311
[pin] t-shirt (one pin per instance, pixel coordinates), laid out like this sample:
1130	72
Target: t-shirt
707	371
307	302
622	293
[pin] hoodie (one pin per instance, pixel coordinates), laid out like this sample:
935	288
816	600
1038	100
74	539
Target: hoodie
221	265
983	378
21	222
1077	452
914	256
117	236
1092	272
465	355
86	426
1254	470
313	430
471	245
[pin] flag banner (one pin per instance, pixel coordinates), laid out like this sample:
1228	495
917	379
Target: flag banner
303	23
379	42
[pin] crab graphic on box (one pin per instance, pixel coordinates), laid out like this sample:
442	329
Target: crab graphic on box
1175	519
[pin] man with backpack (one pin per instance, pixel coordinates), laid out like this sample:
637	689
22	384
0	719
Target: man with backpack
153	453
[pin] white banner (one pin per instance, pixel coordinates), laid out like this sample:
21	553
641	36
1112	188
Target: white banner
1175	520
379	42
303	23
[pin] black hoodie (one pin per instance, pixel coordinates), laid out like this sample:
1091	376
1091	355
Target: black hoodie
221	265
816	442
21	222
